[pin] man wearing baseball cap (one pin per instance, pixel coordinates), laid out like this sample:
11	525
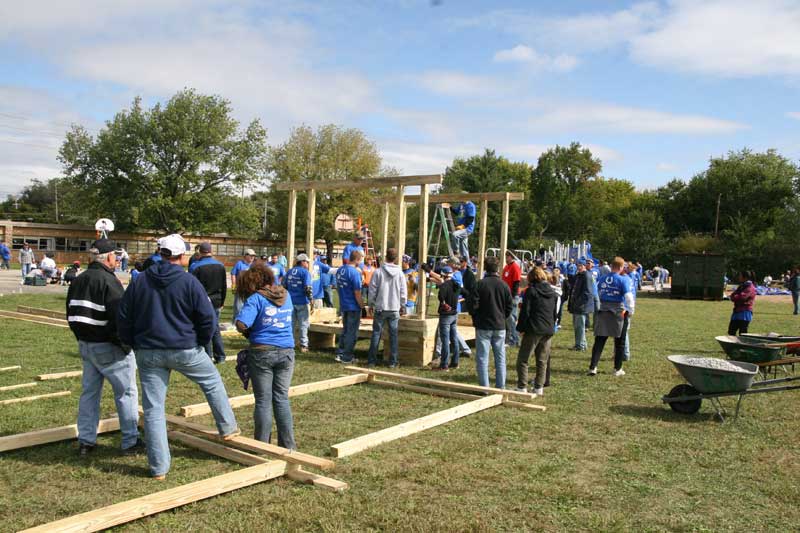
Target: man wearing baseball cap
212	276
241	265
167	317
356	246
300	286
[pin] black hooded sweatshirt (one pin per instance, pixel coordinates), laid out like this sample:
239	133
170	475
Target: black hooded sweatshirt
538	315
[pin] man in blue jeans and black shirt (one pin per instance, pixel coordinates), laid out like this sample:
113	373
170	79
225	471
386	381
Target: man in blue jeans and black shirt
92	301
214	279
490	310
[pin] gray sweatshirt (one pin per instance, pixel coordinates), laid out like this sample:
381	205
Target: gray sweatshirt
387	289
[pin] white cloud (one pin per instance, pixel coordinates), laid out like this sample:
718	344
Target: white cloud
423	158
459	84
529	56
793	114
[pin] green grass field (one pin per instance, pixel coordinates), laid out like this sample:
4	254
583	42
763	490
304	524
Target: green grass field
606	456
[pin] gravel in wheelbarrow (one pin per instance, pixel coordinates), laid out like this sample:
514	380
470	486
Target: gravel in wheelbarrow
709	375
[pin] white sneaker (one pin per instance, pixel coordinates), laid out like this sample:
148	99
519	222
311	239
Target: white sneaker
619	372
521	389
538	392
592	371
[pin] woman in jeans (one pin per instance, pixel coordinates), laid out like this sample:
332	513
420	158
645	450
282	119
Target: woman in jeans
743	299
266	320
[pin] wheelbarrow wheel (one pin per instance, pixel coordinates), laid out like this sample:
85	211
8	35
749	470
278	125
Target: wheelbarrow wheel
687	407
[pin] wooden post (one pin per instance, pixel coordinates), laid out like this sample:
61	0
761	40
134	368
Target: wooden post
290	228
385	232
400	238
482	238
422	293
310	212
504	232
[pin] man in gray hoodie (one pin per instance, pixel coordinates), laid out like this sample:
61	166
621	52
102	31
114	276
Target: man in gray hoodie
387	300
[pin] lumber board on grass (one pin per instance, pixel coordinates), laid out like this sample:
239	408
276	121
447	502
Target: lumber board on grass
20	386
10	368
10	316
252	445
124	512
34	398
29	316
440	383
198	409
41	312
47	436
425	390
522	405
343	449
295	473
59	375
232	454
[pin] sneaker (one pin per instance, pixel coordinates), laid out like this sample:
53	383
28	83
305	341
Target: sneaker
521	389
465	354
619	372
539	392
232	435
136	449
304	349
592	372
393	365
162	477
453	367
85	449
440	369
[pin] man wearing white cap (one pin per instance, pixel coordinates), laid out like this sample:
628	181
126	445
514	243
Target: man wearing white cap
168	318
300	286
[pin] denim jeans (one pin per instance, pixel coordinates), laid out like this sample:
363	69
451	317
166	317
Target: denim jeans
351	320
461	237
626	353
463	347
512	336
300	322
327	298
392	318
155	367
796	302
484	339
5	263
26	267
579	322
237	307
448	333
103	360
123	263
216	349
271	372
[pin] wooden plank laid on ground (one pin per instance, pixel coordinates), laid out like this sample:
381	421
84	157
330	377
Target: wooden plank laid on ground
252	445
20	386
41	312
424	390
439	383
34	398
47	436
198	409
4	314
343	449
522	405
60	375
296	473
10	368
124	512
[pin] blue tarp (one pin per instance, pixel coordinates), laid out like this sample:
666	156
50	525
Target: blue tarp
762	290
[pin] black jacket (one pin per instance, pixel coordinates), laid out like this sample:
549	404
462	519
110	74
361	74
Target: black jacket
581	297
213	277
92	302
448	297
538	315
493	303
468	291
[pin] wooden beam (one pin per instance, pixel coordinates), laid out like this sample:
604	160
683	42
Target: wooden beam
385	228
252	445
422	293
10	368
504	232
461	197
482	238
34	398
290	228
10	315
351	184
343	449
296	473
128	511
521	405
41	312
60	375
439	383
47	436
297	390
400	233
232	454
310	214
424	390
20	386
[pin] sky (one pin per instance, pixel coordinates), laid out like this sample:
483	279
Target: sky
653	88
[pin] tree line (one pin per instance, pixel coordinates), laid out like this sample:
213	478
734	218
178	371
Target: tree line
188	165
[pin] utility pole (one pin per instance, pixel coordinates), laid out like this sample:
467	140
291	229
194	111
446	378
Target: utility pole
264	225
716	222
55	181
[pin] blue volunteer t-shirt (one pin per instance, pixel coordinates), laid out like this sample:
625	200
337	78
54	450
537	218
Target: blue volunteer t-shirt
613	287
458	278
268	323
572	269
350	248
240	266
467	209
318	270
348	280
297	280
277	270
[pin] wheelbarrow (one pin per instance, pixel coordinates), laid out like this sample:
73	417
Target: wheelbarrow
711	379
750	350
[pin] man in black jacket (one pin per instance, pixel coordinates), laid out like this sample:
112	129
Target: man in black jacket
491	307
214	279
92	301
581	305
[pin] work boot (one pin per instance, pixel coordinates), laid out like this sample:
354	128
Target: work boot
136	449
85	449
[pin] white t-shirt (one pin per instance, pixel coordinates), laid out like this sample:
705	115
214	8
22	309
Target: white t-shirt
48	264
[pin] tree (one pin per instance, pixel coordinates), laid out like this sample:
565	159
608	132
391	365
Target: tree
329	153
171	167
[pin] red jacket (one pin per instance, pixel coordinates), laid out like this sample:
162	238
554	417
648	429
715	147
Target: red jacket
744	297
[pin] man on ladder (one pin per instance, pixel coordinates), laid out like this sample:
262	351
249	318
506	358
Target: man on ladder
466	212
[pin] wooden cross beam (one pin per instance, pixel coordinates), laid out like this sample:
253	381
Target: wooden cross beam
365	183
60	375
461	197
34	398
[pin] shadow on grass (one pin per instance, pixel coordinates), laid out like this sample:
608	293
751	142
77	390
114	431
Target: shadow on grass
665	414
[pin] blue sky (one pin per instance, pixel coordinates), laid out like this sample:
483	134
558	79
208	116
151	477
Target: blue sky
654	88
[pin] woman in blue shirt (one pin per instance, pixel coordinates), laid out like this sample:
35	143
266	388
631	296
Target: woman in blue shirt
266	320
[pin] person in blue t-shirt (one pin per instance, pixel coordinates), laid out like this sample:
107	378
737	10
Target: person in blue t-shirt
318	270
266	321
240	266
328	283
356	246
465	225
277	269
348	283
298	283
617	304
